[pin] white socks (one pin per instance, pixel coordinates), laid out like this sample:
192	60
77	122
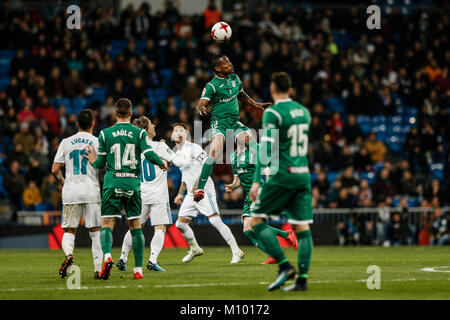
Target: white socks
188	234
67	243
156	245
225	232
97	252
126	246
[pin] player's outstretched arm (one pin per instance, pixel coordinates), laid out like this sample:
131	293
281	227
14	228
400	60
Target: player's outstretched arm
202	105
236	183
179	198
56	171
97	161
244	98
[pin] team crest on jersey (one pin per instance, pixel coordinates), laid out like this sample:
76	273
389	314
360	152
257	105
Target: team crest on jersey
233	83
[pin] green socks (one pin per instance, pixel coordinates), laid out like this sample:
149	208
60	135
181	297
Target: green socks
138	242
268	239
305	248
206	172
251	236
279	232
106	239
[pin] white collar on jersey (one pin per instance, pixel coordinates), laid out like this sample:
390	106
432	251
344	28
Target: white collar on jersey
283	100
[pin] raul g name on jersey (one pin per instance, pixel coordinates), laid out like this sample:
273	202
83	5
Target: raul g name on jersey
82	140
122	132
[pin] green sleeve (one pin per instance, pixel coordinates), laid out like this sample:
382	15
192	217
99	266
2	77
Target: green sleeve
268	148
100	163
147	150
208	91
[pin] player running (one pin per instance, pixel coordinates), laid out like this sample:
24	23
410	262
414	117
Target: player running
289	186
80	193
222	93
189	158
120	149
155	199
243	164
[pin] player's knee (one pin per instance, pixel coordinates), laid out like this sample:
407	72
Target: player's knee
215	219
94	229
255	221
180	224
70	230
301	227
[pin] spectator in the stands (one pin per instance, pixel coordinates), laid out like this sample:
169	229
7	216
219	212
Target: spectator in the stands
31	195
24	138
14	183
375	147
440	228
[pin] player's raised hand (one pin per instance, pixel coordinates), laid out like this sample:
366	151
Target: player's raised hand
229	187
90	154
178	199
164	165
263	105
254	190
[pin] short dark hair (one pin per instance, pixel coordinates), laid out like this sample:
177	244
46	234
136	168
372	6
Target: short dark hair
85	118
215	61
282	81
123	107
179	124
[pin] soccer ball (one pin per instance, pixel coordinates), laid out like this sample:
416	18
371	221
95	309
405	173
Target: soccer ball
221	32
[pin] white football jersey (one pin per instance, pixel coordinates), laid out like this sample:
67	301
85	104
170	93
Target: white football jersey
190	159
81	183
154	187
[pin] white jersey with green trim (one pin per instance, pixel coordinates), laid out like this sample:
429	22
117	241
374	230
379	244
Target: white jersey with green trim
154	188
81	184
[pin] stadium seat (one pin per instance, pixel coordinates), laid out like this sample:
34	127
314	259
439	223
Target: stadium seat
368	175
3	192
378	120
4	82
166	75
79	104
396	120
336	104
159	94
331	176
63	101
7	54
43	207
365	127
437	170
98	94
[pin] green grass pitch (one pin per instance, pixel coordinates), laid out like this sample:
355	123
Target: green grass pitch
336	273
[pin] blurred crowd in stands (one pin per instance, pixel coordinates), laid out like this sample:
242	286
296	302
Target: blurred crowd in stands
379	99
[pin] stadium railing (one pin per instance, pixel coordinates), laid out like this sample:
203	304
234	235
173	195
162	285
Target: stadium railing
414	215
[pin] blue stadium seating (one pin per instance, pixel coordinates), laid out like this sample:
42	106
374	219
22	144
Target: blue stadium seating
336	104
331	176
3	192
79	104
166	75
4	82
368	175
7	54
98	94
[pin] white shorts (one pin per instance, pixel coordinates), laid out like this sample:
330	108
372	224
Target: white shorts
159	213
207	206
90	212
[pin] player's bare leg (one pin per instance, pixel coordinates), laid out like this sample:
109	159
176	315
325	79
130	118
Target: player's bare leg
68	242
304	257
215	153
227	235
106	240
194	249
156	246
97	253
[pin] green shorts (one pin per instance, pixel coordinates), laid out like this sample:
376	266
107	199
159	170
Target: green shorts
113	200
273	200
246	210
221	126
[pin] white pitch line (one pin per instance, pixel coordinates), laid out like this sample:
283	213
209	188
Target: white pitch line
191	285
433	269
